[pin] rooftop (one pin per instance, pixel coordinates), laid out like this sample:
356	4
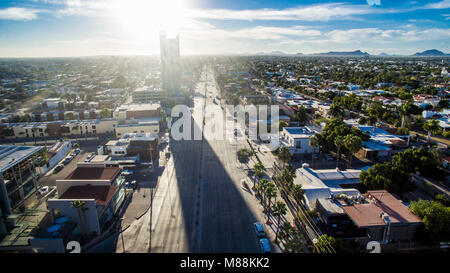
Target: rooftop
321	184
94	173
101	194
139	107
299	131
11	155
370	214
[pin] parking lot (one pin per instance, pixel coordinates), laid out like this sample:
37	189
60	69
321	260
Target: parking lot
50	178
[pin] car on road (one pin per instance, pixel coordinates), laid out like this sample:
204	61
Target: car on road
76	151
264	245
58	168
259	229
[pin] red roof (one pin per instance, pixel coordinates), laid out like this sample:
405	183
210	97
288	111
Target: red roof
94	173
101	194
369	215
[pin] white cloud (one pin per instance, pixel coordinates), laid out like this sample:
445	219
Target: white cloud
322	12
19	14
445	4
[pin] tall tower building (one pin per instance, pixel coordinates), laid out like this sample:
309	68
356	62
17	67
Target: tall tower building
170	63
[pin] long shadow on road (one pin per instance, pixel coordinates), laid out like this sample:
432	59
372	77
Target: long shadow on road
215	216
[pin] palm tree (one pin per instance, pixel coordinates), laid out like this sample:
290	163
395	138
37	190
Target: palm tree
258	168
287	175
262	185
287	231
339	142
353	144
282	124
279	209
270	193
431	126
336	111
79	205
297	192
405	111
284	155
314	142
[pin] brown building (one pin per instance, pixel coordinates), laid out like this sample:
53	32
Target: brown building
384	217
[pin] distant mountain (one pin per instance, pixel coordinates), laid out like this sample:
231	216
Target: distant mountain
273	53
431	53
383	54
356	53
276	53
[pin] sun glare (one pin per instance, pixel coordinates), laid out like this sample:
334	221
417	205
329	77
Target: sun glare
144	18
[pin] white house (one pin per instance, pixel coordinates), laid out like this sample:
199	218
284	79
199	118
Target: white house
322	184
296	139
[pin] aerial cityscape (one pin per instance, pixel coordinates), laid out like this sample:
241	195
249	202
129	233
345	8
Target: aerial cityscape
243	127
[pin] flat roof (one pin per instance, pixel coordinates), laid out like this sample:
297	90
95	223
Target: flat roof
94	173
299	131
101	194
99	158
330	206
11	155
139	107
369	215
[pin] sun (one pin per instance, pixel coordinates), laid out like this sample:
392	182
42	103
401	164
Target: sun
144	18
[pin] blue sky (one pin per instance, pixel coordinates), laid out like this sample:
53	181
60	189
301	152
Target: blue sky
53	28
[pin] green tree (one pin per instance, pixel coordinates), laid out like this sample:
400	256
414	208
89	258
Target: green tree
105	113
336	111
270	193
338	142
431	126
261	187
325	244
279	210
301	115
424	161
436	219
362	120
284	155
258	169
282	124
70	116
297	192
287	176
419	121
314	142
353	145
406	110
244	155
385	176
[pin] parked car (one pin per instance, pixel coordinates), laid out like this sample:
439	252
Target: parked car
265	245
76	151
259	230
44	190
67	160
58	168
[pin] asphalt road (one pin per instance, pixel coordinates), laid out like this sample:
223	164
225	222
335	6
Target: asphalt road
205	209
